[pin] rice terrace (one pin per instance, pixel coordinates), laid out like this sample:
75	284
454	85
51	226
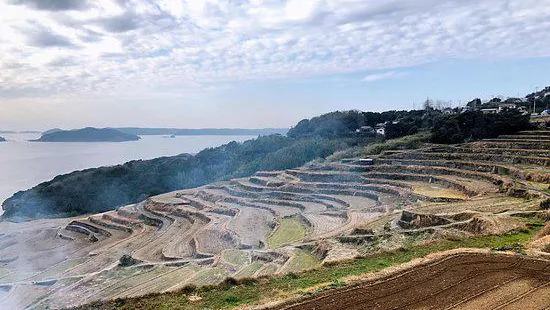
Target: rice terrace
315	237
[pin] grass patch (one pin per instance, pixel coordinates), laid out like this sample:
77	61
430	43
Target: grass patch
15	276
405	143
301	260
58	269
268	269
235	257
290	229
438	192
209	276
252	291
249	270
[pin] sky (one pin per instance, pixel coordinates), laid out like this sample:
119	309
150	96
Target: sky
258	63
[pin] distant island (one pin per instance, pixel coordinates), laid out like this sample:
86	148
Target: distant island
51	131
202	131
88	134
11	131
2	139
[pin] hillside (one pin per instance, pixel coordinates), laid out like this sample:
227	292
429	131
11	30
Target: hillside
491	193
51	131
88	134
103	189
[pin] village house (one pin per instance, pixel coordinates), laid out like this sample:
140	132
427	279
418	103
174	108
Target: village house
490	110
507	106
365	129
380	129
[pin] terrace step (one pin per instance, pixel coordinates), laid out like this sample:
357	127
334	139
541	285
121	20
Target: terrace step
546	142
326	176
125	221
535	132
315	188
469	189
437	171
504	151
504	144
284	195
475	166
525	137
267	181
89	228
513	159
110	224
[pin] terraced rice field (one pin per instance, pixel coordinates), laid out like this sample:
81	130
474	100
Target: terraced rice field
277	222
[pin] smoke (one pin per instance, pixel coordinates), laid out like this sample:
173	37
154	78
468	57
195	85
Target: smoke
29	254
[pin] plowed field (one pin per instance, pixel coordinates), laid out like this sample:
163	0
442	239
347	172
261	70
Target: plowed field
465	281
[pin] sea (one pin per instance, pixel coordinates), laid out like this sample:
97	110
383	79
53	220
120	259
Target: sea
24	164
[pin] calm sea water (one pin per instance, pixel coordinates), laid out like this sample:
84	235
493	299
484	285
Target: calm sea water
25	164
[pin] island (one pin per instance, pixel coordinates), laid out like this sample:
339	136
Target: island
202	131
51	131
88	134
2	139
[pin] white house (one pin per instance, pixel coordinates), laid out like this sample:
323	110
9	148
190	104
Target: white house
380	128
367	129
507	106
490	111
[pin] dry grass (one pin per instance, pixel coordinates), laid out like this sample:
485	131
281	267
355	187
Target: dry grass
435	191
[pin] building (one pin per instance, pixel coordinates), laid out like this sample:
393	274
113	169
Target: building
448	111
507	106
380	129
490	110
365	129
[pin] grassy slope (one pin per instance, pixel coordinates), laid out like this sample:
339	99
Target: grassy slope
404	143
289	230
232	293
301	260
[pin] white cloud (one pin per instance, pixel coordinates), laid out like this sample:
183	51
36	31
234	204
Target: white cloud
77	48
383	76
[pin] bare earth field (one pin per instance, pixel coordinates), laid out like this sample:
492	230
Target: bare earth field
277	222
460	281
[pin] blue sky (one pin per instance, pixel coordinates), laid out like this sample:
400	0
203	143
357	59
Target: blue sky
255	63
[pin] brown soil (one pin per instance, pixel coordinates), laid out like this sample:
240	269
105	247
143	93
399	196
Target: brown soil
460	281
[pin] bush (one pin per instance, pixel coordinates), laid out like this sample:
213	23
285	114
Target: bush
470	126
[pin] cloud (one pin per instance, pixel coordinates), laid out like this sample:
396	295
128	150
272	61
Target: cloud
383	76
120	23
63	62
169	44
42	37
53	5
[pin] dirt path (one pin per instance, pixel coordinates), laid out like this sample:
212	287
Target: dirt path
460	281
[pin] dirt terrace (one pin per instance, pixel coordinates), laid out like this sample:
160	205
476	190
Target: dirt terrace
464	281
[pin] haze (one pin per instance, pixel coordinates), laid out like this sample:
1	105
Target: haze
75	63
